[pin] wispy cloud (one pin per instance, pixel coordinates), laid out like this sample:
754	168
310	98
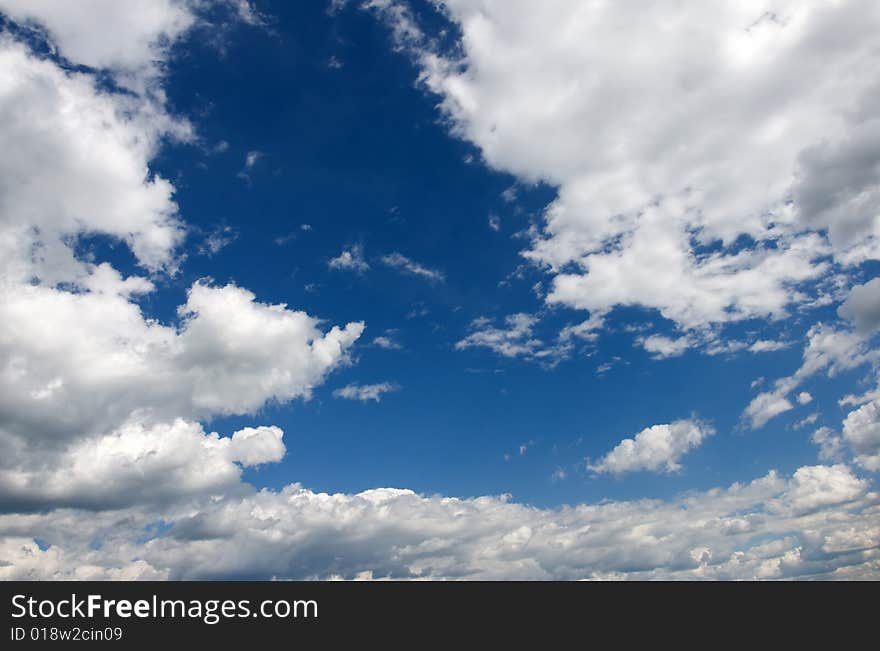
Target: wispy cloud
386	342
217	239
515	339
402	263
365	392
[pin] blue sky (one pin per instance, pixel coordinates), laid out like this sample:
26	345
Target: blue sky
433	172
359	153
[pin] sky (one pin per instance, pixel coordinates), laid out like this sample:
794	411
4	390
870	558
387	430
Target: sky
462	289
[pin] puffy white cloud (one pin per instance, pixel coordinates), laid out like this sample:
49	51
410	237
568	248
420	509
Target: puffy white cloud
386	342
229	355
239	353
350	260
365	392
399	261
134	464
814	487
81	167
804	398
689	164
862	306
662	347
653	268
253	446
809	419
861	431
128	38
767	346
93	391
658	448
111	386
820	523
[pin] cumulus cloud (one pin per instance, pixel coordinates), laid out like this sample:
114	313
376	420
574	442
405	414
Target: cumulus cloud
81	167
861	431
707	173
155	465
93	391
229	355
399	261
820	523
662	347
129	39
365	392
658	448
516	339
96	393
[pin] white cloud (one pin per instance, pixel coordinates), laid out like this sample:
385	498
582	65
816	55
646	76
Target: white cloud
820	523
804	398
515	339
96	393
658	448
398	261
689	166
136	464
128	38
814	487
365	392
88	173
662	347
351	259
861	431
132	40
386	343
827	349
229	355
